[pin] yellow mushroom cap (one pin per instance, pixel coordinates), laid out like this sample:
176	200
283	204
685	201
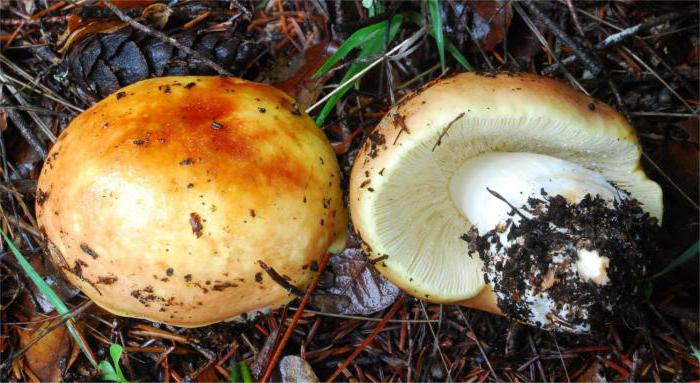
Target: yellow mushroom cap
400	197
160	200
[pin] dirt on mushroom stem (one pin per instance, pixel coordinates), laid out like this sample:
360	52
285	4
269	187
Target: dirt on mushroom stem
536	273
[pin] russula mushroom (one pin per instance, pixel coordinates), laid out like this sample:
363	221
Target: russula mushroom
160	201
511	193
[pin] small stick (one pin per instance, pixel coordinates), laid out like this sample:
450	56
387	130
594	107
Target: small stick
295	319
28	135
444	132
591	62
369	338
617	38
495	194
545	45
280	280
163	37
574	16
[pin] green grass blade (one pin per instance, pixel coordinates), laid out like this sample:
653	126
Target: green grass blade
245	373
687	255
416	18
55	301
355	40
234	376
107	372
261	5
436	26
371	47
374	7
458	56
696	353
115	351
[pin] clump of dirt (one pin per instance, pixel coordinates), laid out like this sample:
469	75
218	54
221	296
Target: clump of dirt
568	267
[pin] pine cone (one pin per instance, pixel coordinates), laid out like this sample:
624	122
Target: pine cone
102	63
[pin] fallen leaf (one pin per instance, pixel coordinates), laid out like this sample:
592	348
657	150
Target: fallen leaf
91	28
294	74
52	276
156	15
257	368
592	374
490	22
48	357
208	375
296	370
358	288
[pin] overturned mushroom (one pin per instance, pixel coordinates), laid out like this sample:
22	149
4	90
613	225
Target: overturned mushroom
160	201
510	193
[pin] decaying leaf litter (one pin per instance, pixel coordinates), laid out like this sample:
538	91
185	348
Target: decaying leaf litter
59	57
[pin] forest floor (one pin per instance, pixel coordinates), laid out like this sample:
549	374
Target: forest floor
640	57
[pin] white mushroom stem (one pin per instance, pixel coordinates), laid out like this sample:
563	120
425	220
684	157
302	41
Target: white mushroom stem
480	189
517	177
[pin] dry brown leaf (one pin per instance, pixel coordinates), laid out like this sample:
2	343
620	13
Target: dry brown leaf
592	374
294	74
101	26
257	368
357	288
490	22
48	357
296	370
209	375
156	15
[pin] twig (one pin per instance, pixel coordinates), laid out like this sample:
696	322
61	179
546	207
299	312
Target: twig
574	16
45	331
246	12
663	114
38	121
639	28
681	80
543	41
534	351
554	336
163	37
48	92
651	70
27	133
478	344
437	343
280	279
295	319
591	62
478	46
515	209
616	39
620	104
397	305
444	131
368	319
